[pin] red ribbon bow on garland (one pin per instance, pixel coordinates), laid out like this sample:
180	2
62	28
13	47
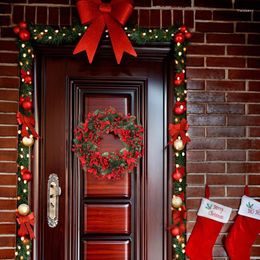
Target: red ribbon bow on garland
25	223
111	15
26	121
180	129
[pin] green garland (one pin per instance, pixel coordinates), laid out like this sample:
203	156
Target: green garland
40	34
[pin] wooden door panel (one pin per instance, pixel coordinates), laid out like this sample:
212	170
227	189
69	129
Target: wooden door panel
104	250
107	219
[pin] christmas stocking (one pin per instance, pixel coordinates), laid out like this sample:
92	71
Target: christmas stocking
210	219
244	231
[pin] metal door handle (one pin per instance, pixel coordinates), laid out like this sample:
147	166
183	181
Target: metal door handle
53	193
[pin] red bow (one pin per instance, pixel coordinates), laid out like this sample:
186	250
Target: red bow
26	121
111	15
25	223
179	129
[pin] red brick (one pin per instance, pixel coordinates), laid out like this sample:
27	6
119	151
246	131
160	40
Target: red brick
196	108
226	108
216	4
226	155
225	85
8	119
243	144
207	120
256	15
254	109
225	179
206	143
143	3
248	27
225	62
206	73
8	130
243	167
253	38
166	18
8	167
8	107
7	216
197	37
243	51
7	253
254	85
225	38
8	58
255	251
144	18
177	17
206	49
226	131
195	179
5	8
243	74
172	3
64	16
231	16
196	85
253	62
5	20
30	14
9	46
8	142
244	120
18	12
154	18
203	15
9	95
235	191
206	97
206	167
247	4
189	18
50	1
195	62
8	70
200	191
53	15
41	15
254	131
133	20
243	97
197	131
7	192
8	155
195	156
253	155
214	27
254	180
7	241
10	205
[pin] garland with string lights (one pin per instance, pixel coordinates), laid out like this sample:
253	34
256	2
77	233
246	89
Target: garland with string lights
178	137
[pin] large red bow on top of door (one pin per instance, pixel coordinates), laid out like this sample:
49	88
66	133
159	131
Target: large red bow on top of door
112	15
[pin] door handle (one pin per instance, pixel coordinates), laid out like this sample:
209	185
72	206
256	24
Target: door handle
53	194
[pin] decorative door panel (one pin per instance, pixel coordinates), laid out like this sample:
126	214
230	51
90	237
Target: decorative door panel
102	220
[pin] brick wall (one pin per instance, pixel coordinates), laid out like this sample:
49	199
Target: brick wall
224	84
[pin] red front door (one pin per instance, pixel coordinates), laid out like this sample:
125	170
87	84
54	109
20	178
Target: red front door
102	220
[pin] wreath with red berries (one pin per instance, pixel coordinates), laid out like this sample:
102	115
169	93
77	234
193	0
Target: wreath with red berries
89	135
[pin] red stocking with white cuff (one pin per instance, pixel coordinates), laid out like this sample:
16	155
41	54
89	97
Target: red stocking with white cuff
210	219
244	231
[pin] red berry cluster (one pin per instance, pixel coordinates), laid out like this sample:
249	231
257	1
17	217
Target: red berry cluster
22	31
182	35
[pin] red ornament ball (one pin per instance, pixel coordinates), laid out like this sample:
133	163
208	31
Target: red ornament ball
27	105
24	35
180	108
183	29
23	25
178	173
179	37
26	174
188	35
16	29
28	79
175	231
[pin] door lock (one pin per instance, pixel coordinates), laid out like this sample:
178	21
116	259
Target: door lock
53	193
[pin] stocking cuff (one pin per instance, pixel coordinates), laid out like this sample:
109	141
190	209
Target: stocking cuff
249	208
212	210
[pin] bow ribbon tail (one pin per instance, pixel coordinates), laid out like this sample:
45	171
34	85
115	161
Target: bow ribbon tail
119	40
22	230
90	40
30	230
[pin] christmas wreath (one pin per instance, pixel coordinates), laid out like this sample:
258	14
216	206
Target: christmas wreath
88	137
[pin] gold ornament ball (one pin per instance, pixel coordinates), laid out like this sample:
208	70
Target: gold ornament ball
176	201
28	141
23	209
178	145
